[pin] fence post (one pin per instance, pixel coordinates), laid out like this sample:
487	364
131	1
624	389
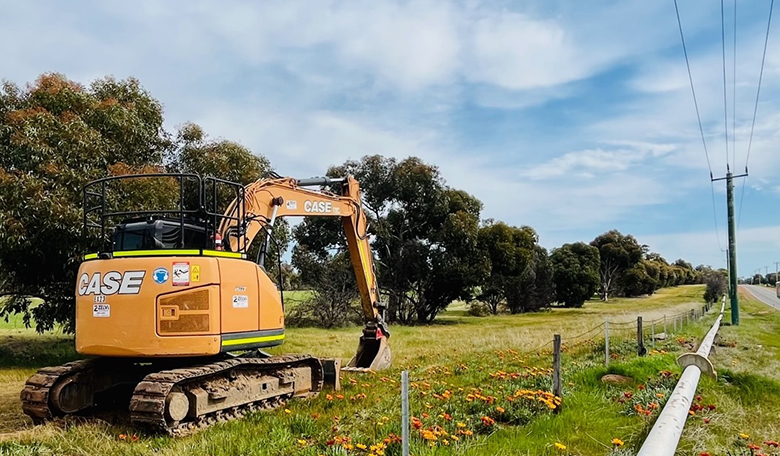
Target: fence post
640	345
652	332
557	368
405	413
674	324
606	342
665	333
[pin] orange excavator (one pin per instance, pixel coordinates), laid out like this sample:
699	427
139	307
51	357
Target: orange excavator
176	314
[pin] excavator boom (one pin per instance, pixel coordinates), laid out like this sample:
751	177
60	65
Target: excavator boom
268	199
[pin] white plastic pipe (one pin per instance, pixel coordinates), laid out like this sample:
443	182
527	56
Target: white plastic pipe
665	435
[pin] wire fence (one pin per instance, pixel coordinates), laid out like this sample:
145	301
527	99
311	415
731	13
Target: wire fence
616	338
644	332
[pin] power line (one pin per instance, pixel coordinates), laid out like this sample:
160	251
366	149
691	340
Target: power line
741	198
760	78
715	213
725	105
698	118
755	108
734	95
693	90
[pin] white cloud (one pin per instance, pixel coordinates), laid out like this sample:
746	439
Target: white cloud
516	52
595	162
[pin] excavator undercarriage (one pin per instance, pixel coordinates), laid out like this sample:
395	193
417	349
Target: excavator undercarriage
176	401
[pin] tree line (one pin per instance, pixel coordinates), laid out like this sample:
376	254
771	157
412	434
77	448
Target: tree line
431	245
432	248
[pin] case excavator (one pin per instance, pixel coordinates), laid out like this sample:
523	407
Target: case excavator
175	315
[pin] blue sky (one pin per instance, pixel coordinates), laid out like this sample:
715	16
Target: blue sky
571	117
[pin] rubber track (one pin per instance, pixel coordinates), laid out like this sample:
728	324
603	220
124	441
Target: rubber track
147	406
35	394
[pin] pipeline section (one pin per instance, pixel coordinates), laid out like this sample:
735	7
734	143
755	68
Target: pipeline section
665	435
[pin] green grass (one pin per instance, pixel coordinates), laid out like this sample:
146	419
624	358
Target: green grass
14	322
458	354
294	297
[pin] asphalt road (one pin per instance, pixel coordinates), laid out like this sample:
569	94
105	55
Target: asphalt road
764	294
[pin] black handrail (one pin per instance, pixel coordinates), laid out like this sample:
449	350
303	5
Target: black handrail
202	210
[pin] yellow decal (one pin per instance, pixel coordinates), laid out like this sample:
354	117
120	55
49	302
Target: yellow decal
252	340
137	253
195	273
218	253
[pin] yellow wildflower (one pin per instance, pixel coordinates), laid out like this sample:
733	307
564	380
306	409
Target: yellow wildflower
617	442
560	446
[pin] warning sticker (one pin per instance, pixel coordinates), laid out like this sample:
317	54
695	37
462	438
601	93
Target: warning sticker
181	274
195	273
292	205
240	301
101	310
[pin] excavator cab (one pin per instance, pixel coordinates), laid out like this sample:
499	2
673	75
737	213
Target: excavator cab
157	233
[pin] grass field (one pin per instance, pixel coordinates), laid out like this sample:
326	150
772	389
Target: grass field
466	373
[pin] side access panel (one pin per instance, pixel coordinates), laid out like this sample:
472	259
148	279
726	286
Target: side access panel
271	311
268	316
239	295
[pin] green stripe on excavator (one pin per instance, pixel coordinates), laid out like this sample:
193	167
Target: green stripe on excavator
251	340
134	253
218	253
185	252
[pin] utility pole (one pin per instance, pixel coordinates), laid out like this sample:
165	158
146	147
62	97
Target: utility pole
776	269
732	242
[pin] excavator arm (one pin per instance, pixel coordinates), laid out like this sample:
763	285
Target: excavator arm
268	199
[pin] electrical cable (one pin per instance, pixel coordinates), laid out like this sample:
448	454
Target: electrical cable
725	105
715	213
734	94
693	90
755	108
698	118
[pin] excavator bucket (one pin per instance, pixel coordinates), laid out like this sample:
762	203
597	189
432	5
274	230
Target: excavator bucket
373	354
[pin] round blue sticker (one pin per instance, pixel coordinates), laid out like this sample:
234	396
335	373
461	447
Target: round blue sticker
160	275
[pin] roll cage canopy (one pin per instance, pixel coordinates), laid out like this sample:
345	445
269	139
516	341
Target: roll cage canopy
191	222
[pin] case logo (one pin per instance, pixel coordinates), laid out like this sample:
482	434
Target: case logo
318	206
113	282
